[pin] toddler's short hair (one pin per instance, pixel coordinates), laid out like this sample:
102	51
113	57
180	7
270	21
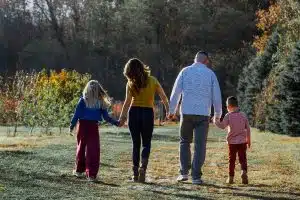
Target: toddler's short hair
232	101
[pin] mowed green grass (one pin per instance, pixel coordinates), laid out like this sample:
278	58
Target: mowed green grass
35	167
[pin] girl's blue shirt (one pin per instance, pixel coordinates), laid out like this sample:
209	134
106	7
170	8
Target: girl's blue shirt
93	114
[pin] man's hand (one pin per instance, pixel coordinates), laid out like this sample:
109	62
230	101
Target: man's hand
171	116
216	119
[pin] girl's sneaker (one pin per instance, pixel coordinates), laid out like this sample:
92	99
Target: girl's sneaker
78	174
229	180
92	179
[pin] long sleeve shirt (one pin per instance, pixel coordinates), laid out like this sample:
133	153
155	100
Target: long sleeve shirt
200	90
93	114
237	127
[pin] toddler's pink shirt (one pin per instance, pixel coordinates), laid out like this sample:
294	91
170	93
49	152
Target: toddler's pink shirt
237	127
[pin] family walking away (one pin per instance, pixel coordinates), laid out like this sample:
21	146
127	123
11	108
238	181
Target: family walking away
195	91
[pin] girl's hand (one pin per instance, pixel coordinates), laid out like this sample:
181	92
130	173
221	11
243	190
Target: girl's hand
122	121
71	131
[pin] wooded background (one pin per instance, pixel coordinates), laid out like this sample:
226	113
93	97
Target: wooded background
250	42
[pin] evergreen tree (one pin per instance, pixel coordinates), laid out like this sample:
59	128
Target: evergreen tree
273	119
289	88
255	74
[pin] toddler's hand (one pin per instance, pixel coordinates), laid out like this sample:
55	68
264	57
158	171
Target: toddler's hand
216	119
249	144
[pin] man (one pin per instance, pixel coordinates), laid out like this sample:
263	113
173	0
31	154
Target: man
199	88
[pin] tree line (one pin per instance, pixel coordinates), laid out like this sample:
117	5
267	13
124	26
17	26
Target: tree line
98	37
269	87
252	43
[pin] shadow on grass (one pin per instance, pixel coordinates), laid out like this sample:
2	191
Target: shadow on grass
107	165
15	153
173	187
253	196
186	196
156	137
254	186
107	184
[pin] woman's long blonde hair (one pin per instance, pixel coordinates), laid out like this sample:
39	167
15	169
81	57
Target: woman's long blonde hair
95	96
137	74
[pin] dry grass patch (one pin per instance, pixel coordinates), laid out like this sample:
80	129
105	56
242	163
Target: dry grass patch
31	141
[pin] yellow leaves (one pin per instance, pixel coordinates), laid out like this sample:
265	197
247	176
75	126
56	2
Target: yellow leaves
266	19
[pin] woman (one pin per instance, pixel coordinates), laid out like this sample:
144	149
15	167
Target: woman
140	91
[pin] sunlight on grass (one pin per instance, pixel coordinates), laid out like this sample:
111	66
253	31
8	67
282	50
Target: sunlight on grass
31	142
273	160
2	188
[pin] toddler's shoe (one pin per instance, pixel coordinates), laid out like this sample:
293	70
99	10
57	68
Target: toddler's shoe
244	177
78	174
229	180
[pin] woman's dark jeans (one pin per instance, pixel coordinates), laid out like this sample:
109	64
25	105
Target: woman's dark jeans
141	123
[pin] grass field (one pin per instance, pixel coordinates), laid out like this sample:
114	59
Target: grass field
35	167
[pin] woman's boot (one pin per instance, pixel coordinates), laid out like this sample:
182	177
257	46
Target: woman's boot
142	170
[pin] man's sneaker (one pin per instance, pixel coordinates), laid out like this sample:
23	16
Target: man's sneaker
92	179
182	178
78	174
197	181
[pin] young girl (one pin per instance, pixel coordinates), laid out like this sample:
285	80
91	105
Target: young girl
140	91
238	137
90	109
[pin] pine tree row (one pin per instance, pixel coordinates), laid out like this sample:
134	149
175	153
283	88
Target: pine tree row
269	90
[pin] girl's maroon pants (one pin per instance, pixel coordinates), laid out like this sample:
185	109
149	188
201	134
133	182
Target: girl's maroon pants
88	148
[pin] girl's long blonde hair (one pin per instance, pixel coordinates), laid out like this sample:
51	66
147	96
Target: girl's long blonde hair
95	96
137	74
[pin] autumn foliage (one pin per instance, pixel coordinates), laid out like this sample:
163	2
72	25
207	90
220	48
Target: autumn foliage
266	21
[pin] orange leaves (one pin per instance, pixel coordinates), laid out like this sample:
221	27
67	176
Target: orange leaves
266	20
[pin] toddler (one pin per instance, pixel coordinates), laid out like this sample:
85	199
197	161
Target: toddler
238	137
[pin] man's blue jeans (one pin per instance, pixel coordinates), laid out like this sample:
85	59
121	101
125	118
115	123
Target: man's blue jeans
193	126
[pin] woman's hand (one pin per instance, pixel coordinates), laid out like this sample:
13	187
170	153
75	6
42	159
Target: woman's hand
122	121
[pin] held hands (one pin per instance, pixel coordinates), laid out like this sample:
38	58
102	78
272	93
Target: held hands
71	131
172	117
216	119
248	142
122	121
